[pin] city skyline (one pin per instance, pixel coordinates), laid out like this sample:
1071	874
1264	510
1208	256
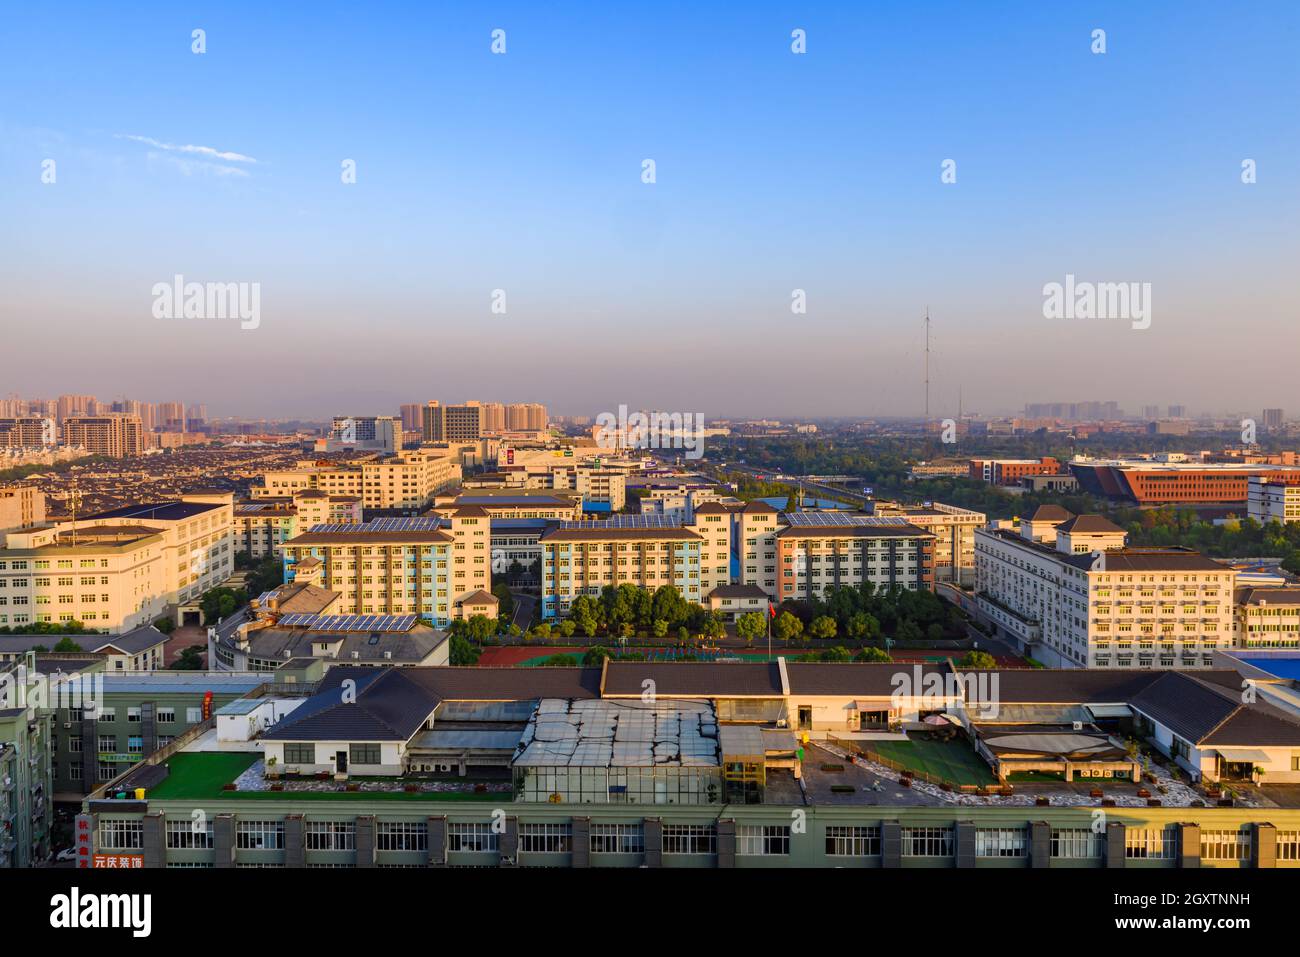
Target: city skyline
775	172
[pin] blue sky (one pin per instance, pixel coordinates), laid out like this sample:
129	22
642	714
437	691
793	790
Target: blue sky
775	171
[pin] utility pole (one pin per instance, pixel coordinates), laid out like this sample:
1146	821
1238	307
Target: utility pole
74	501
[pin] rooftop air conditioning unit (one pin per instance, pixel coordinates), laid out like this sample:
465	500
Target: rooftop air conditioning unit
356	655
388	654
1078	726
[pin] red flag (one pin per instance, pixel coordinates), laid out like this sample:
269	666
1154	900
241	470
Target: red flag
771	609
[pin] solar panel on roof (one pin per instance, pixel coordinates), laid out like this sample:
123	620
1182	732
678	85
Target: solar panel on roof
374	623
841	519
626	521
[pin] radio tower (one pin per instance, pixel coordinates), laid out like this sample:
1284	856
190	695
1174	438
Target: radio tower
927	368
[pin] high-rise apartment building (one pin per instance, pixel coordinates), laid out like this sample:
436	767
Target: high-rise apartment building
171	416
27	432
116	436
452	423
1272	420
375	433
494	417
70	405
526	417
412	417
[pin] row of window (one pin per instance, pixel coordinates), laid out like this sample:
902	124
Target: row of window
751	840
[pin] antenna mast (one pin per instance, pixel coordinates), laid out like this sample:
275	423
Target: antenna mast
927	367
74	500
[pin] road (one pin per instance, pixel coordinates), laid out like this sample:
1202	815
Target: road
525	610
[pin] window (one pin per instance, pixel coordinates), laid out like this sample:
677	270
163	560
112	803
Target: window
299	753
763	840
193	715
183	835
121	834
1225	845
689	839
402	836
1000	842
364	754
1150	843
853	841
1288	845
331	836
259	835
927	842
545	838
471	837
166	715
617	839
133	715
1078	843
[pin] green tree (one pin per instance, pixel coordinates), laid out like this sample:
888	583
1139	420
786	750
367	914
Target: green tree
505	600
750	625
67	645
787	627
560	661
191	659
823	626
978	659
567	628
480	628
908	631
462	652
595	655
872	654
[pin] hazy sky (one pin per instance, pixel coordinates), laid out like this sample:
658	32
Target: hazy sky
775	172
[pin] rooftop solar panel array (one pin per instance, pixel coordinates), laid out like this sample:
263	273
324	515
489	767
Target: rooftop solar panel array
627	521
418	524
839	519
350	622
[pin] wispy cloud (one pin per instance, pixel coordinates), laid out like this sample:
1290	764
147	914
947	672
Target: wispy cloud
190	167
225	155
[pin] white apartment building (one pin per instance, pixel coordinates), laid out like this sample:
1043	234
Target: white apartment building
120	569
1272	501
1070	594
1267	618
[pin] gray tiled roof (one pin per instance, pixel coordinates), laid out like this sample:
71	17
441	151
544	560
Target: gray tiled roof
386	706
